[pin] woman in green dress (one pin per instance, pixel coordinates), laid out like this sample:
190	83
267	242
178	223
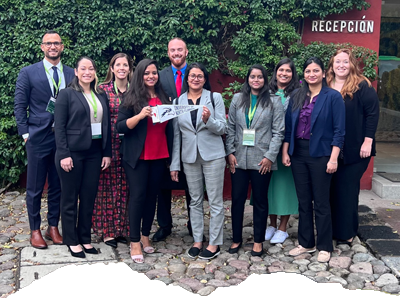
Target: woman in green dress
282	199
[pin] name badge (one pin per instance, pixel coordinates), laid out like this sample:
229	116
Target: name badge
121	136
96	130
249	137
51	105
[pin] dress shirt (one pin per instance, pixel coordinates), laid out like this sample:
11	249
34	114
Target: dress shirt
49	75
183	70
304	126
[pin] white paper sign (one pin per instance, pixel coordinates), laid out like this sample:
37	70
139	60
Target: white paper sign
162	113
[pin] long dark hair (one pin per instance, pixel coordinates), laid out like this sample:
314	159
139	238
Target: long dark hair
301	94
293	84
263	98
195	65
75	81
137	96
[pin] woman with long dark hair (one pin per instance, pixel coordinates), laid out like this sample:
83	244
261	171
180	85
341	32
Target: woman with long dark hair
282	199
83	140
199	133
145	152
313	138
110	216
362	115
255	133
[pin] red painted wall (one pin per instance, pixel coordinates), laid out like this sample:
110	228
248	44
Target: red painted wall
369	40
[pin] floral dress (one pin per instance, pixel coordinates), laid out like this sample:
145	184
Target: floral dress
110	216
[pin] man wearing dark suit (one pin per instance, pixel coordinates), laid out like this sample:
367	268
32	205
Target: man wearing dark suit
171	79
37	85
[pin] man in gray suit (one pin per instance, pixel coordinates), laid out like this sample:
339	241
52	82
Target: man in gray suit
171	79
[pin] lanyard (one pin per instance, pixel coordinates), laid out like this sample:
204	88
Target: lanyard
93	104
116	91
56	86
251	112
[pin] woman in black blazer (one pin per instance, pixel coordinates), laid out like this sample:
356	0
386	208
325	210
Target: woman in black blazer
145	150
83	140
314	134
362	115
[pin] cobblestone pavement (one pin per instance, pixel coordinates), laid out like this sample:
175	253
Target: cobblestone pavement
353	267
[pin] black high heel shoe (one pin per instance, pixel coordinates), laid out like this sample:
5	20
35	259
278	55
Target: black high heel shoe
258	253
121	239
79	254
234	250
90	250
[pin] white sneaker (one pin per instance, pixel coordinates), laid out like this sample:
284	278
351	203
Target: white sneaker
269	232
279	237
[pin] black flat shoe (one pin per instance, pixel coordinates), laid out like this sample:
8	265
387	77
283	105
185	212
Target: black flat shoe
194	252
79	254
111	243
207	254
257	253
235	250
90	250
160	235
121	239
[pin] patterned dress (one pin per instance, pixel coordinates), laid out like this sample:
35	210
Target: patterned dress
110	216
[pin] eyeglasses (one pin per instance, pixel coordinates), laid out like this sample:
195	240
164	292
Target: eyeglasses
48	44
193	76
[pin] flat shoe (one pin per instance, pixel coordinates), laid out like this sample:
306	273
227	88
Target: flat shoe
258	253
121	239
324	256
147	249
234	250
137	258
111	243
279	237
194	252
207	254
300	250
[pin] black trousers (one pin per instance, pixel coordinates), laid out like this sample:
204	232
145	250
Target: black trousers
41	166
259	185
79	183
144	184
164	217
312	187
345	189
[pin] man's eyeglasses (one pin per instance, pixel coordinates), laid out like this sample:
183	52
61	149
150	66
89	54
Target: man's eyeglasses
193	77
48	44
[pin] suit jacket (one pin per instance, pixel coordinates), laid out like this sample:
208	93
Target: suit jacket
33	90
134	139
269	125
72	128
168	83
327	123
362	116
205	137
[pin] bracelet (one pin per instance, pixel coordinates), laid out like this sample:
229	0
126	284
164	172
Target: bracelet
333	163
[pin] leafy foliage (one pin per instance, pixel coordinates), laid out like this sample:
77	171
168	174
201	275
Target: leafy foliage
229	35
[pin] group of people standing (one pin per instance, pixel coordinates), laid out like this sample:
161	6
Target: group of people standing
302	149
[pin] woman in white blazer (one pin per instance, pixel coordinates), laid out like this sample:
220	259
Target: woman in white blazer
255	133
197	138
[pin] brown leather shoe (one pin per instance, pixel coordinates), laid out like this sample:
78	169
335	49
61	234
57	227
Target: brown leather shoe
37	240
53	234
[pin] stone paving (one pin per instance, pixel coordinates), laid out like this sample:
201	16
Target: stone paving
353	267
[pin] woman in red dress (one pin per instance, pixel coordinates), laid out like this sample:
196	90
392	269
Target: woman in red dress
110	217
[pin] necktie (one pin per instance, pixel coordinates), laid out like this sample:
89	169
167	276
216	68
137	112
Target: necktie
55	77
178	83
